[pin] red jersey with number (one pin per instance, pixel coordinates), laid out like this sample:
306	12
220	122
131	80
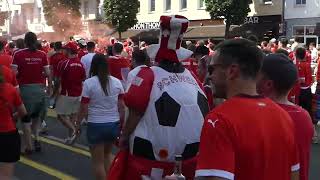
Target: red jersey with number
9	99
303	134
118	65
30	66
54	61
72	75
248	138
304	69
5	60
9	75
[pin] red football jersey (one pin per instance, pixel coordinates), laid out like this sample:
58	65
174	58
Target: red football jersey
9	99
303	134
5	60
9	76
30	65
294	94
81	53
191	64
118	65
72	75
54	61
248	138
304	69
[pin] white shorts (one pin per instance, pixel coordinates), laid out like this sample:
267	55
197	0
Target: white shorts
67	105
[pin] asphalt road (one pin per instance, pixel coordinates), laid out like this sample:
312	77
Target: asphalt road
59	161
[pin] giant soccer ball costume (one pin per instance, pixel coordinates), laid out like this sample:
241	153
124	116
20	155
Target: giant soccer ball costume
172	122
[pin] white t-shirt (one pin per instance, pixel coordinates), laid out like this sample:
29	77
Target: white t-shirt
132	74
86	61
102	108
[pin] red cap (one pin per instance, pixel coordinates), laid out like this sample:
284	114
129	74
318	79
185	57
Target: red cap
72	46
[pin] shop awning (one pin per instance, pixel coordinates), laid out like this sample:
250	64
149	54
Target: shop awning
204	32
198	32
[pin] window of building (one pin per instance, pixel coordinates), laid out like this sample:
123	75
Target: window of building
298	30
201	4
183	4
300	2
152	5
310	30
168	5
86	9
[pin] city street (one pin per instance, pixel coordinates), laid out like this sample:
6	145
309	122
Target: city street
59	161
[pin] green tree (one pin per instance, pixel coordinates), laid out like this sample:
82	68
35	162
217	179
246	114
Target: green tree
121	14
233	11
63	15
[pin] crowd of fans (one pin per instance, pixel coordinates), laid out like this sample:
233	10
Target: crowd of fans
87	85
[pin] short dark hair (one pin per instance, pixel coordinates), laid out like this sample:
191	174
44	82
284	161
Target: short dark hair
30	40
1	45
11	45
57	46
301	53
281	70
212	46
264	43
71	38
118	47
192	47
284	41
20	43
253	38
201	50
91	45
140	57
52	45
282	51
243	52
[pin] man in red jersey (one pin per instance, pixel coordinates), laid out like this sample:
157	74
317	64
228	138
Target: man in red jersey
72	74
4	58
119	66
82	48
9	76
9	136
32	68
305	80
276	83
248	137
54	60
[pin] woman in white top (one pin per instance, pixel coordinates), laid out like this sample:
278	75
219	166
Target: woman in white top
103	104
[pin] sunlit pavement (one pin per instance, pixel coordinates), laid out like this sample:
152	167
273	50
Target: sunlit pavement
60	161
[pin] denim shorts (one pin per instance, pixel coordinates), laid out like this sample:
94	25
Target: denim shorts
99	133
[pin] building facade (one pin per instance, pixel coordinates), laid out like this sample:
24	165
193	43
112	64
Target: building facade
201	26
25	15
301	17
264	21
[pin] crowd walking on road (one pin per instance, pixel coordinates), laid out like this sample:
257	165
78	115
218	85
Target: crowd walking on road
235	109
